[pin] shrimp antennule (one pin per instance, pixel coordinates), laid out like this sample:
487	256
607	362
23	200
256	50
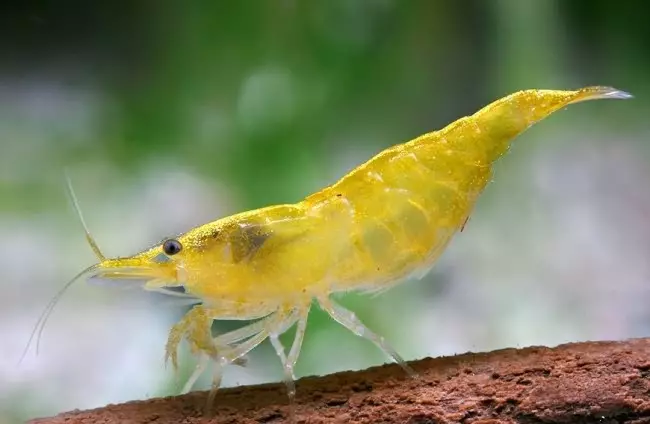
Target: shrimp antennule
75	205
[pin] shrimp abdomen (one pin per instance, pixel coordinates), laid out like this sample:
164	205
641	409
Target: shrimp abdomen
484	136
409	200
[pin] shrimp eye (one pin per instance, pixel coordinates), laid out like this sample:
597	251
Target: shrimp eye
172	247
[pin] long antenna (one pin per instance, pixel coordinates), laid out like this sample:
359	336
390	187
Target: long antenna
37	331
42	319
75	204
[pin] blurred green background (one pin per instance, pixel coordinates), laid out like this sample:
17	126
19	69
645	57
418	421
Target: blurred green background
171	114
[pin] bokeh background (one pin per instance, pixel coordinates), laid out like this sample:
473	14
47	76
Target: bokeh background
171	114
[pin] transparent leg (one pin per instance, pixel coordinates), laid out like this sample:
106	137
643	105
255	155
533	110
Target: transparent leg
279	350
288	363
233	353
216	345
217	375
236	352
201	365
297	341
196	328
242	333
350	321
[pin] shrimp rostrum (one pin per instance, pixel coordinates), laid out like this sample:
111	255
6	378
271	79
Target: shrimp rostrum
385	221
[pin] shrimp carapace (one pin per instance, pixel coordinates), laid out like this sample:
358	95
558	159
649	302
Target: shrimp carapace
386	220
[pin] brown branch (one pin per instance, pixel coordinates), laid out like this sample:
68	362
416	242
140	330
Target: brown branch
595	382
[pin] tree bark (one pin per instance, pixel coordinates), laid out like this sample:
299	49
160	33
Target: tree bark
593	382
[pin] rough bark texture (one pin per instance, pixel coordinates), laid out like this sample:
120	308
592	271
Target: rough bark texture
596	382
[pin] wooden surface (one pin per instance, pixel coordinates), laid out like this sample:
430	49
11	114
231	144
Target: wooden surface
595	382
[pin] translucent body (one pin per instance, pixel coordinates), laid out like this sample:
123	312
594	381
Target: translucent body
388	219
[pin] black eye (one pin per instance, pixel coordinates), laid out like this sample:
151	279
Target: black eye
172	247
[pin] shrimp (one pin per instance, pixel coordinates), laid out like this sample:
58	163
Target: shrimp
384	222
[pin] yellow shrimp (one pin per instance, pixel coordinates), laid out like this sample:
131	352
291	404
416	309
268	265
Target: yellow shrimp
385	221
